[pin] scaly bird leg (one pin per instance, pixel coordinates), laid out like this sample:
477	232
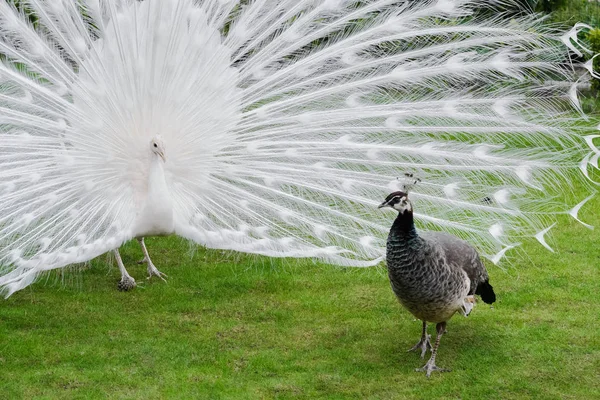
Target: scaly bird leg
424	343
127	282
430	366
152	270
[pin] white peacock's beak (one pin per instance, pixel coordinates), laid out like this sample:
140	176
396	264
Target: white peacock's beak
162	155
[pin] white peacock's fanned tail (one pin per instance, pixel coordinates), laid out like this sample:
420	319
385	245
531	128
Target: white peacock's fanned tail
285	123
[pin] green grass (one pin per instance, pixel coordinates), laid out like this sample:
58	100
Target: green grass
231	326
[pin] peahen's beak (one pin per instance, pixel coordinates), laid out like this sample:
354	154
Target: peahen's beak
384	204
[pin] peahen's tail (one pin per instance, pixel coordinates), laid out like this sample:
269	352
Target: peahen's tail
486	291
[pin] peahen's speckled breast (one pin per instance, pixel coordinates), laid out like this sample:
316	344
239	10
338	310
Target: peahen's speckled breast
421	278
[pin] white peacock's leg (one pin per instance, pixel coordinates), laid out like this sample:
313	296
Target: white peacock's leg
127	282
152	270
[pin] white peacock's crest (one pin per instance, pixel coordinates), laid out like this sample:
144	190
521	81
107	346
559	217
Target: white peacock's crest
306	111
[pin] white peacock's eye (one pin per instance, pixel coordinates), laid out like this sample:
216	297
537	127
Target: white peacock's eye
155	145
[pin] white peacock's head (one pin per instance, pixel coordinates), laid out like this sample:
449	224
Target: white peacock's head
398	201
171	74
157	146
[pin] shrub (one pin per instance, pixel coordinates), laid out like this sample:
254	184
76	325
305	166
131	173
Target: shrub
593	38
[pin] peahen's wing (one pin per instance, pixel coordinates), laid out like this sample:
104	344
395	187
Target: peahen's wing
339	98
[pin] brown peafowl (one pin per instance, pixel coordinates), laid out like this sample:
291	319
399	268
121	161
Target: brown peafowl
433	274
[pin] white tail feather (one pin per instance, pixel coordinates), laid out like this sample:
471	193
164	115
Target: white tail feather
574	212
541	237
285	123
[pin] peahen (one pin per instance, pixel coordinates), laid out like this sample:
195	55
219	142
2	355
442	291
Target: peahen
433	274
270	126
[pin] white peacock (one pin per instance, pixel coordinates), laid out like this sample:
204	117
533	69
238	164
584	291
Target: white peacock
274	126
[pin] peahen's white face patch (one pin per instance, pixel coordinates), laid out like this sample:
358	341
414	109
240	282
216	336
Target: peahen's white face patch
398	201
402	204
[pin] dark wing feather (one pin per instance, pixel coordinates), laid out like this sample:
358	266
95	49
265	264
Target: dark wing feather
461	254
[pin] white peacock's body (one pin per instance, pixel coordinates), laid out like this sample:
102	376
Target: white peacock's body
156	216
284	123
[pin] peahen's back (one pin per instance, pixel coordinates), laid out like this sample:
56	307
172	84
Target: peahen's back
283	122
460	253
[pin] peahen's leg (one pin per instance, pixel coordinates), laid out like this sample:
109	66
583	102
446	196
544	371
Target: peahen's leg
424	343
430	366
127	282
152	270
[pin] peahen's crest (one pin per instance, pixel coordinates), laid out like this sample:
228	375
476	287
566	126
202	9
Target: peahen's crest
408	182
304	111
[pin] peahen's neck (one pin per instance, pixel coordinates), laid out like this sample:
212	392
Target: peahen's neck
404	226
403	243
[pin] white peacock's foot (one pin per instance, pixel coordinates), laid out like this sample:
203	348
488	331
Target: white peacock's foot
431	367
423	345
126	283
153	271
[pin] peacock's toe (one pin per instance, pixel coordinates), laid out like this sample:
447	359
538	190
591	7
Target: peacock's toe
126	283
153	271
423	345
431	367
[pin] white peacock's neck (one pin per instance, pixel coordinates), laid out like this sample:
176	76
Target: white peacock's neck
156	176
156	217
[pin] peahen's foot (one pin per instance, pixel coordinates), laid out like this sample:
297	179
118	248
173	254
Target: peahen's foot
430	367
153	271
126	283
423	345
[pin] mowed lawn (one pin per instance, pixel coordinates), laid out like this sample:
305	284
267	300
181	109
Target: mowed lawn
232	326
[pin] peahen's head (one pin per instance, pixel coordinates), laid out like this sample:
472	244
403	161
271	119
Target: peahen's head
398	201
157	147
